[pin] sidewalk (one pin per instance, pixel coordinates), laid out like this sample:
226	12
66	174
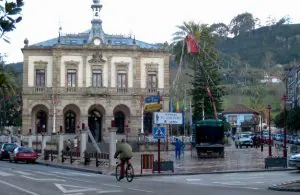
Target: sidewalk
248	159
288	187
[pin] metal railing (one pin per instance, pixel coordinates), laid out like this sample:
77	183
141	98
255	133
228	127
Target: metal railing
94	91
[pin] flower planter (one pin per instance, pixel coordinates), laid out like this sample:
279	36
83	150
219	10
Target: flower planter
164	166
275	162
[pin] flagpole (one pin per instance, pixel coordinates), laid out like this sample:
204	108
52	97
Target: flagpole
184	111
191	116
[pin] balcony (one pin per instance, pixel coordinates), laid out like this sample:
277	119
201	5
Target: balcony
37	90
94	91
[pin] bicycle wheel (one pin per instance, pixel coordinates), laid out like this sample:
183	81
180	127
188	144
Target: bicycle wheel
129	173
118	172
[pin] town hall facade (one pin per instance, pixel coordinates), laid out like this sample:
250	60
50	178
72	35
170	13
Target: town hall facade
92	78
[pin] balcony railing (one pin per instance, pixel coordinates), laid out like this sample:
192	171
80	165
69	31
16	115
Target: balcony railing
94	91
37	90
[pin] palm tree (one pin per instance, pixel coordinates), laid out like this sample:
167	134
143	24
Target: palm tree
7	83
201	74
187	28
7	89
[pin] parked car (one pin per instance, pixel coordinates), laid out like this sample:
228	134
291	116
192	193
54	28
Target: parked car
294	161
25	154
5	149
243	140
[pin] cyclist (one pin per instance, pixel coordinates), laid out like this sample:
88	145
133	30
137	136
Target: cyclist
125	152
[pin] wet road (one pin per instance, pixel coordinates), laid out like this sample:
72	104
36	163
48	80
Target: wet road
27	179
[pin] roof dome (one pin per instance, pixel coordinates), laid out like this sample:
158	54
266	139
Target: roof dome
96	1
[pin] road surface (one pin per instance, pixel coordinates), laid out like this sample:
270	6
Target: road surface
27	179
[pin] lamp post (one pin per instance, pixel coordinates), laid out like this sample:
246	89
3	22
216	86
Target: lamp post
270	148
284	98
261	133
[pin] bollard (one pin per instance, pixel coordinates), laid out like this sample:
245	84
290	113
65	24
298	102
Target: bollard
71	159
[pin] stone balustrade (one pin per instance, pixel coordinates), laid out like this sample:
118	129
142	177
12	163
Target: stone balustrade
93	91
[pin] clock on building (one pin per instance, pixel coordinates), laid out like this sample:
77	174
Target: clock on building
97	42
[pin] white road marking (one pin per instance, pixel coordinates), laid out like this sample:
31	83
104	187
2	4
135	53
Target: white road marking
43	173
19	188
5	174
23	173
75	194
237	178
40	179
227	186
72	174
140	190
110	185
109	191
193	180
73	189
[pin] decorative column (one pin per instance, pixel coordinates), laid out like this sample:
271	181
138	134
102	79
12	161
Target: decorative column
112	145
60	145
84	59
137	72
25	71
30	137
109	70
83	142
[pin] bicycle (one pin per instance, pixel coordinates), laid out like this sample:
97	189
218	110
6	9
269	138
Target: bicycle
129	171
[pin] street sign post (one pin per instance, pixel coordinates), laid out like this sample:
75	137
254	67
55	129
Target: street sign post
159	133
152	107
152	99
168	118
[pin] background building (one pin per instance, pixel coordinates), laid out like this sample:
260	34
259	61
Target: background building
241	118
91	78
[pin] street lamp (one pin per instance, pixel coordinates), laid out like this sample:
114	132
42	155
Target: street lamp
270	148
261	133
284	98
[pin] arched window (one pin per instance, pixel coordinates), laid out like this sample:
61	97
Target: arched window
41	121
120	121
70	122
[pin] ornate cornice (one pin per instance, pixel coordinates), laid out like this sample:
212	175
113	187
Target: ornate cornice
97	58
122	64
40	63
152	66
72	63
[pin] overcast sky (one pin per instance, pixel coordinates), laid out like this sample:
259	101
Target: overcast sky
149	20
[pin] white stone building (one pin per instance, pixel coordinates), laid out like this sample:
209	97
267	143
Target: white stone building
92	78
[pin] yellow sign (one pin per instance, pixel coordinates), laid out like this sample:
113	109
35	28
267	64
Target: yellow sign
152	107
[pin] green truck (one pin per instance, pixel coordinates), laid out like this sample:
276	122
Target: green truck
208	138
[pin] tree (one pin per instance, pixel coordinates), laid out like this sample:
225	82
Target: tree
284	20
293	119
10	105
204	66
242	23
270	21
220	29
257	94
279	119
10	15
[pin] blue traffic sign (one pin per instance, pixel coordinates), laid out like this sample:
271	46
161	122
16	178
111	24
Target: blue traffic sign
152	99
159	132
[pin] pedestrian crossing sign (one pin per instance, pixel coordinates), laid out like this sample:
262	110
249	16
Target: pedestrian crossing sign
159	132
